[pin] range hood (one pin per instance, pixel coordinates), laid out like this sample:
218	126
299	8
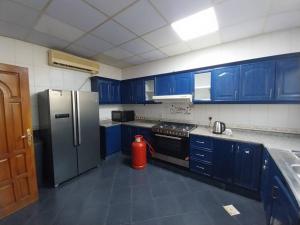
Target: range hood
173	98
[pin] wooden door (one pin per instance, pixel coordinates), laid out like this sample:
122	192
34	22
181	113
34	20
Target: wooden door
18	186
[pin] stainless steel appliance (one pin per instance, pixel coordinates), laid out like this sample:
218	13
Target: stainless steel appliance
122	116
171	141
219	127
69	126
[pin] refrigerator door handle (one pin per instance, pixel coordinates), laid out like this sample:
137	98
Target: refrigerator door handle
78	117
74	118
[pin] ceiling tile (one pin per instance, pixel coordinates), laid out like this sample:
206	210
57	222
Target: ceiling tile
175	49
113	33
110	7
118	53
205	41
174	10
232	12
242	30
18	14
278	6
282	21
135	60
51	26
76	13
80	51
36	4
162	37
121	64
46	40
12	31
153	55
140	18
137	46
94	44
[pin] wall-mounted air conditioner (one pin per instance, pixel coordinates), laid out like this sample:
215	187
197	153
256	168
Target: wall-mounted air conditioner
68	61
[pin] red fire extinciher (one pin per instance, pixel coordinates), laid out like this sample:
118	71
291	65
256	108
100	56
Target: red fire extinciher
139	152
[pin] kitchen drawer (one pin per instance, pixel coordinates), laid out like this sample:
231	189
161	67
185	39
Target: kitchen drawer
201	154
200	167
201	142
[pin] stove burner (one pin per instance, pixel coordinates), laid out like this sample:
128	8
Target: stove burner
173	129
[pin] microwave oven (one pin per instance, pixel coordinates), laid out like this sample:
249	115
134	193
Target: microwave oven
122	116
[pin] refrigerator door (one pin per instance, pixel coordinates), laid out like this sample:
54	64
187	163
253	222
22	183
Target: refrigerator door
61	123
88	148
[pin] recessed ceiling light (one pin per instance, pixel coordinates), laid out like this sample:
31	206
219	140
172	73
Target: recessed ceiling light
196	25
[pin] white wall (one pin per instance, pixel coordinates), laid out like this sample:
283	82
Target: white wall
42	76
266	117
260	46
284	118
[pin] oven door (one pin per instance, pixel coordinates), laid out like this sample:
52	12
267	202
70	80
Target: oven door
173	146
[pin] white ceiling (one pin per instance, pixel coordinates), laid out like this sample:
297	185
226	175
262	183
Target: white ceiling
130	32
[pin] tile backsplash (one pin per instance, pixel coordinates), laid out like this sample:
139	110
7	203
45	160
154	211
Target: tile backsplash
279	117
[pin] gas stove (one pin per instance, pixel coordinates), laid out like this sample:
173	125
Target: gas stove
173	129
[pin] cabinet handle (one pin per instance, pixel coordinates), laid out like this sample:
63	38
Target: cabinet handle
247	152
232	146
274	192
235	94
270	95
200	167
200	155
278	91
200	142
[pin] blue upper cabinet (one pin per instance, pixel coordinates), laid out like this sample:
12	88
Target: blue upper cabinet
257	81
288	79
132	91
163	85
108	89
182	83
225	83
175	84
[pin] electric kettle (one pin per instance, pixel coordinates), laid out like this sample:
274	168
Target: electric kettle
219	127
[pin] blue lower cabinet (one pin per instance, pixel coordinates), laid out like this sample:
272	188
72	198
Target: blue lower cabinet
127	138
266	184
110	140
280	205
223	159
201	167
247	165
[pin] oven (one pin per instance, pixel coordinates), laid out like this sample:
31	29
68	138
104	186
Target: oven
177	147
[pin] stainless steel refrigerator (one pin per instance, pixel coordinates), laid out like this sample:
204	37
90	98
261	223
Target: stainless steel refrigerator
69	127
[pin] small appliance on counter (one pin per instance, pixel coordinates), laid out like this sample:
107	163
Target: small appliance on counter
219	127
122	116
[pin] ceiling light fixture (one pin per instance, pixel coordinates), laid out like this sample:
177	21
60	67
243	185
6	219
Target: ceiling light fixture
196	25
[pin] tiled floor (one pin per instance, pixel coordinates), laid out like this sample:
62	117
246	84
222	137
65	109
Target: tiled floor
116	194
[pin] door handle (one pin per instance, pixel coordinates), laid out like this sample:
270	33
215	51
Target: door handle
78	117
74	119
28	136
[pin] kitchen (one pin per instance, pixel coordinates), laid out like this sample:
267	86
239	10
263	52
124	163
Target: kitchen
213	86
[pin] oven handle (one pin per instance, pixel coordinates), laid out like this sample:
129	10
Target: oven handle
170	137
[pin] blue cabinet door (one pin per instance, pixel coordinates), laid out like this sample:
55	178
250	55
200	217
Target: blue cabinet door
266	184
126	92
139	91
247	165
225	83
257	81
182	83
284	208
113	139
288	79
164	85
223	160
104	96
115	92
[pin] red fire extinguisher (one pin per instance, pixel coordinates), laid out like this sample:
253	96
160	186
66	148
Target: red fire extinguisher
139	152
